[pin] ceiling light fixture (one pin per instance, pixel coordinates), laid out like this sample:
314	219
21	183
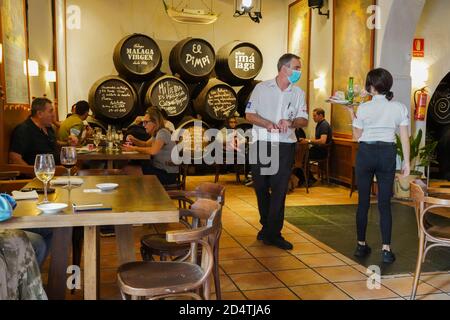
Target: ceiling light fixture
250	7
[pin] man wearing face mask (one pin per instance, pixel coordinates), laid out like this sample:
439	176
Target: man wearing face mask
276	108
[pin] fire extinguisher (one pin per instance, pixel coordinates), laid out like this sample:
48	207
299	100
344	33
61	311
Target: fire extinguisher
420	101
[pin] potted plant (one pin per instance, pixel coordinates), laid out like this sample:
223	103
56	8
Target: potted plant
418	157
427	157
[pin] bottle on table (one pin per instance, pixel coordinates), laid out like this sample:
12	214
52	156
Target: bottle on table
351	90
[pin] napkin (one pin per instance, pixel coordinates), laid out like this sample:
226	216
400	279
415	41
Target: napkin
65	181
18	195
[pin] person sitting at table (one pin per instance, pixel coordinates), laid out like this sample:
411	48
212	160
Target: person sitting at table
20	277
75	125
159	146
169	125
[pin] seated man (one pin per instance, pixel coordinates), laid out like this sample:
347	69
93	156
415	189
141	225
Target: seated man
324	136
75	125
20	278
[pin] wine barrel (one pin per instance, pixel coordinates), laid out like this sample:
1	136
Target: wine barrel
113	100
192	59
439	109
216	102
137	57
192	140
238	62
244	95
170	94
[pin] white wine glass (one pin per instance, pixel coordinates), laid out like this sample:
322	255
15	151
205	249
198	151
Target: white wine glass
97	139
68	159
44	169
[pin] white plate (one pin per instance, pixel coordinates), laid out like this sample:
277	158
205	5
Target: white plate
52	208
107	186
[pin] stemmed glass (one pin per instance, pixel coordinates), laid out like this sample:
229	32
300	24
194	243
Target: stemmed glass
68	160
97	137
44	169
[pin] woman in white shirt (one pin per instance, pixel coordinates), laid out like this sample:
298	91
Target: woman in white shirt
374	126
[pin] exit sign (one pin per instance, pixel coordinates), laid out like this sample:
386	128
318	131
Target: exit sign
419	48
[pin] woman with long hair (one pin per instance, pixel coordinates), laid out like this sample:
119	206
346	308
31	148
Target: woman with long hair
374	126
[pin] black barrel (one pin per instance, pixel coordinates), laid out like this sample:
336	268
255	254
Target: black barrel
192	59
195	130
169	94
113	100
244	95
238	62
216	102
137	57
439	108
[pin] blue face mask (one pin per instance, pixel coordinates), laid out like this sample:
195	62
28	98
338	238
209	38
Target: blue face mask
295	76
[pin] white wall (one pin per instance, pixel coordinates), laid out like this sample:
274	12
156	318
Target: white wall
105	22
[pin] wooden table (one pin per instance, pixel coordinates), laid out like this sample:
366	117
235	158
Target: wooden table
111	156
138	200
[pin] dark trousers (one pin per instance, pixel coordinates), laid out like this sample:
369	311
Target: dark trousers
379	161
271	190
164	177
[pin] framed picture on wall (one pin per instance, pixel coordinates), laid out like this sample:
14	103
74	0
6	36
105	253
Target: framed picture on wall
299	38
353	55
14	42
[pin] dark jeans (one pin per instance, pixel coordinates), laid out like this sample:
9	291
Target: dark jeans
164	177
379	161
271	190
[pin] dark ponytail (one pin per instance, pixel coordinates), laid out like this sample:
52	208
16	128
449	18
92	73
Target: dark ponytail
382	81
390	95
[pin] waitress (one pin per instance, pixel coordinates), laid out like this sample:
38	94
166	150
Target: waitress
374	126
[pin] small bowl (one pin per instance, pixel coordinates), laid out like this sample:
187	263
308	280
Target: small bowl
52	208
107	186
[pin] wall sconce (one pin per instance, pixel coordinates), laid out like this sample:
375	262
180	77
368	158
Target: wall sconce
419	73
50	76
250	7
319	83
1	53
33	68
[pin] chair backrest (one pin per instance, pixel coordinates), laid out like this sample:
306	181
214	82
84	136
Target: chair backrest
418	191
100	172
216	191
301	155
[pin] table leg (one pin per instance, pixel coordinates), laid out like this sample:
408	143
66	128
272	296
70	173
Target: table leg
125	243
110	164
91	263
61	241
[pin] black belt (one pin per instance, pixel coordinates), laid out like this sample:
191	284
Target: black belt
378	143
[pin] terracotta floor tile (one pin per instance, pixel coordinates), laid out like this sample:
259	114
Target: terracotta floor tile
340	274
267	251
358	290
440	296
325	291
306	248
241	266
271	294
230	296
299	277
255	281
295	238
233	254
403	286
282	263
249	241
345	259
226	285
441	281
228	242
321	260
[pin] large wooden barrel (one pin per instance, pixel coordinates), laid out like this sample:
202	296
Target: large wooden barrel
238	62
192	59
192	133
169	94
244	95
137	57
216	102
113	100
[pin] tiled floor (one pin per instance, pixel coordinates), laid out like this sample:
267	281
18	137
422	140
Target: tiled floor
250	270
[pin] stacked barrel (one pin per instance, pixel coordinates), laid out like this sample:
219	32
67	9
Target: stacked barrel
202	85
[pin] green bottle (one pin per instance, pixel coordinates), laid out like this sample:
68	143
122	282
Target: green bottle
351	90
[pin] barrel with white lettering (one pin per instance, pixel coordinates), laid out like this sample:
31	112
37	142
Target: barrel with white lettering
113	100
169	94
244	95
137	57
216	102
238	62
190	134
192	59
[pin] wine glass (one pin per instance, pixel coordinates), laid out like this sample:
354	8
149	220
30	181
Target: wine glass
68	160
97	139
44	169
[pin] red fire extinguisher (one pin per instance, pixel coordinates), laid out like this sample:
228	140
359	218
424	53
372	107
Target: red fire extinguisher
420	101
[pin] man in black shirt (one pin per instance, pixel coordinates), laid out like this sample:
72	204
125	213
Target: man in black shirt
35	135
324	136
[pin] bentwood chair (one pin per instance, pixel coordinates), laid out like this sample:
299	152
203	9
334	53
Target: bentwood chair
302	161
154	280
432	234
157	245
9	181
323	165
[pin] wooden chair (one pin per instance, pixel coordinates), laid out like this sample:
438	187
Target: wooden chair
181	179
100	172
9	181
432	234
323	165
157	245
302	161
155	280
